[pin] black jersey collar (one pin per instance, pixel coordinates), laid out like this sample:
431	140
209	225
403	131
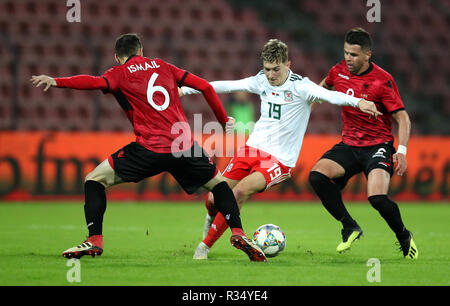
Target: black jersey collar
130	58
368	70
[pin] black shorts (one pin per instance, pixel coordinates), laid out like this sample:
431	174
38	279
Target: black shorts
192	169
361	159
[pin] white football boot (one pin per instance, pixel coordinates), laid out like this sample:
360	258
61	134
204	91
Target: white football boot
201	252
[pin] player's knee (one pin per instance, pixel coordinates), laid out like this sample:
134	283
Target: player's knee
210	200
93	176
90	177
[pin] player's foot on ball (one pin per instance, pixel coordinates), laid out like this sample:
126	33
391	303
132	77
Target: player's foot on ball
408	247
208	221
244	244
349	236
201	252
92	246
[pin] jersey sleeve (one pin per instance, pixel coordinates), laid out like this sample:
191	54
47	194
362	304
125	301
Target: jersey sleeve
82	82
330	77
312	92
209	93
112	77
179	74
249	84
390	96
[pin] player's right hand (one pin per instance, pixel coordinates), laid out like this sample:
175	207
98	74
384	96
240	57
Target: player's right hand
229	126
368	107
400	162
43	80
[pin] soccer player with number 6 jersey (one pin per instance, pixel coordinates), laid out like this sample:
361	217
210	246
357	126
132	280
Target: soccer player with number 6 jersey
274	146
367	143
147	90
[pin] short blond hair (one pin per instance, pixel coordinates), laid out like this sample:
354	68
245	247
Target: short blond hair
275	51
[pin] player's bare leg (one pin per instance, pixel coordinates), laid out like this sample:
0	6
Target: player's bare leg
377	187
321	179
102	177
225	202
242	190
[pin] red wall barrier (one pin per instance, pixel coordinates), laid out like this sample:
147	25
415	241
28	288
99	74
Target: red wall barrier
52	165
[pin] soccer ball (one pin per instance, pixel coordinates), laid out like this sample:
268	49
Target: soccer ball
270	238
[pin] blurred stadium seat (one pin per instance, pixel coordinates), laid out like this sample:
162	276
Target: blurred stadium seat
214	39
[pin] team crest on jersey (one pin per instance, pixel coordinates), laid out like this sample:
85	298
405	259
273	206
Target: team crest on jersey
288	96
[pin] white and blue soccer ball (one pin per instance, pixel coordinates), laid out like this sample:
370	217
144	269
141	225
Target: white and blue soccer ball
270	238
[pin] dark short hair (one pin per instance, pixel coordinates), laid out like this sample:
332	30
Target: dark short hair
359	36
127	45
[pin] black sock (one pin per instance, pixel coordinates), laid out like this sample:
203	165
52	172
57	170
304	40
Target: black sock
388	209
94	207
330	195
226	204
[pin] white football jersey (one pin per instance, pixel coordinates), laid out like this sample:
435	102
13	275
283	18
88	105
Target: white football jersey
285	111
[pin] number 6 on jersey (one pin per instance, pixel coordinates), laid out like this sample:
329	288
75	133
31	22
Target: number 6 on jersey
151	91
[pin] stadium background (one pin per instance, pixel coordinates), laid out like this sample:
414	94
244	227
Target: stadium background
49	141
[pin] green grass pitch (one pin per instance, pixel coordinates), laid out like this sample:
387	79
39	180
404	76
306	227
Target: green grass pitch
153	244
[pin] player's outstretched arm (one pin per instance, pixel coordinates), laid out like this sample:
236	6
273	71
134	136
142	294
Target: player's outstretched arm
222	87
210	95
315	93
369	107
82	82
323	84
43	80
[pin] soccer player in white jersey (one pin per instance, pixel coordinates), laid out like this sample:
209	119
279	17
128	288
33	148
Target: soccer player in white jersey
272	150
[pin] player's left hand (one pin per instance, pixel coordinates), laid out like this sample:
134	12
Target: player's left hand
43	80
400	160
369	107
229	126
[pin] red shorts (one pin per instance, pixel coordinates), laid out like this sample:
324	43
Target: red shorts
249	160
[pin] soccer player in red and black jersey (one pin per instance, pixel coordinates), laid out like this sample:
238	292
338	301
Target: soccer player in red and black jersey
367	142
147	90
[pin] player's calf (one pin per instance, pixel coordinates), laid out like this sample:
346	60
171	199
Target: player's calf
390	212
210	207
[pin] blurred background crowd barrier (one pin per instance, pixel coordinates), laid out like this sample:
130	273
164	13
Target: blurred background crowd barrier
52	165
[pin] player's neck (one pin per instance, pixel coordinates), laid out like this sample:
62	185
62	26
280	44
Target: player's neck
284	79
